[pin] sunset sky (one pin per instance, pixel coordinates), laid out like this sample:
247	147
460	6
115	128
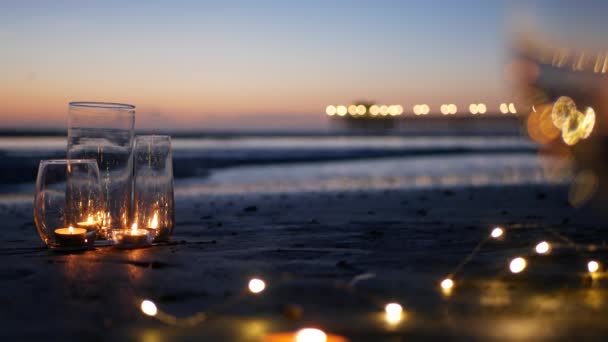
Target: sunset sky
231	64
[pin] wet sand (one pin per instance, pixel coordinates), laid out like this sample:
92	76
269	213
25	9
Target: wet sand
308	247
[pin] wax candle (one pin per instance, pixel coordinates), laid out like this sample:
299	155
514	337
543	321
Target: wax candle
71	237
89	224
131	238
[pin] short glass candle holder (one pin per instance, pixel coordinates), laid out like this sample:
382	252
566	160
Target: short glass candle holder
68	202
133	237
153	190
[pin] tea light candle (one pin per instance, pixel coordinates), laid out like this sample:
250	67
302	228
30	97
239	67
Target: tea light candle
304	335
71	237
131	238
89	224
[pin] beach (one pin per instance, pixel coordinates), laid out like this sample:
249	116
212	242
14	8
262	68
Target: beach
332	254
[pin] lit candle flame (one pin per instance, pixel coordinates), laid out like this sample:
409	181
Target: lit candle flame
154	222
134	228
90	219
71	230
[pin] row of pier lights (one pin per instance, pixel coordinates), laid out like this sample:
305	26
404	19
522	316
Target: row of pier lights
356	110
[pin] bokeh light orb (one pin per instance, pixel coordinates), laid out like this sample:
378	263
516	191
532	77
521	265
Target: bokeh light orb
148	307
394	312
517	265
497	232
330	110
447	284
543	247
311	335
256	285
593	266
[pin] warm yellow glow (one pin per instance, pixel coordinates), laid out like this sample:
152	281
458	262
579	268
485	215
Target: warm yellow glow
256	285
71	230
452	109
593	266
148	307
330	110
444	109
425	109
383	110
394	110
473	108
543	247
374	110
497	232
504	108
352	110
154	221
394	313
481	108
512	108
416	109
90	219
399	109
517	265
134	228
447	284
588	123
341	110
361	110
311	335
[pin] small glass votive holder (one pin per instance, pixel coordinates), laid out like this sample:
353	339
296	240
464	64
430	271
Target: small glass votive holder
153	185
67	203
134	237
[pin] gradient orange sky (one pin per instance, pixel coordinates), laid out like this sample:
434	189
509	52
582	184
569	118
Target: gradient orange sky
232	64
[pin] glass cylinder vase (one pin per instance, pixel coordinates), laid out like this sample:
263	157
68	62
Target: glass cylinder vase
104	132
153	198
68	204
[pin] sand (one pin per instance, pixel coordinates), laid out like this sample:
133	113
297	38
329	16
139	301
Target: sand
308	247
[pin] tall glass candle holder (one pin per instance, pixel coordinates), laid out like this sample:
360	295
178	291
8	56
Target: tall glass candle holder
68	203
104	132
153	200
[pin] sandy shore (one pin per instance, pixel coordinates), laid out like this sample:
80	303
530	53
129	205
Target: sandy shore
308	247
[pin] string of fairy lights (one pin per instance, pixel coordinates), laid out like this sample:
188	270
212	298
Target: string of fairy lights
395	110
393	312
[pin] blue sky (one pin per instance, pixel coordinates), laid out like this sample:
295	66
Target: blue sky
211	62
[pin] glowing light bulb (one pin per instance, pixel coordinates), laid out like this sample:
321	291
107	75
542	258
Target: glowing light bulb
361	109
394	312
311	335
543	247
352	110
517	265
447	284
374	110
256	285
149	308
497	232
593	266
383	110
452	109
473	108
504	108
416	109
330	110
